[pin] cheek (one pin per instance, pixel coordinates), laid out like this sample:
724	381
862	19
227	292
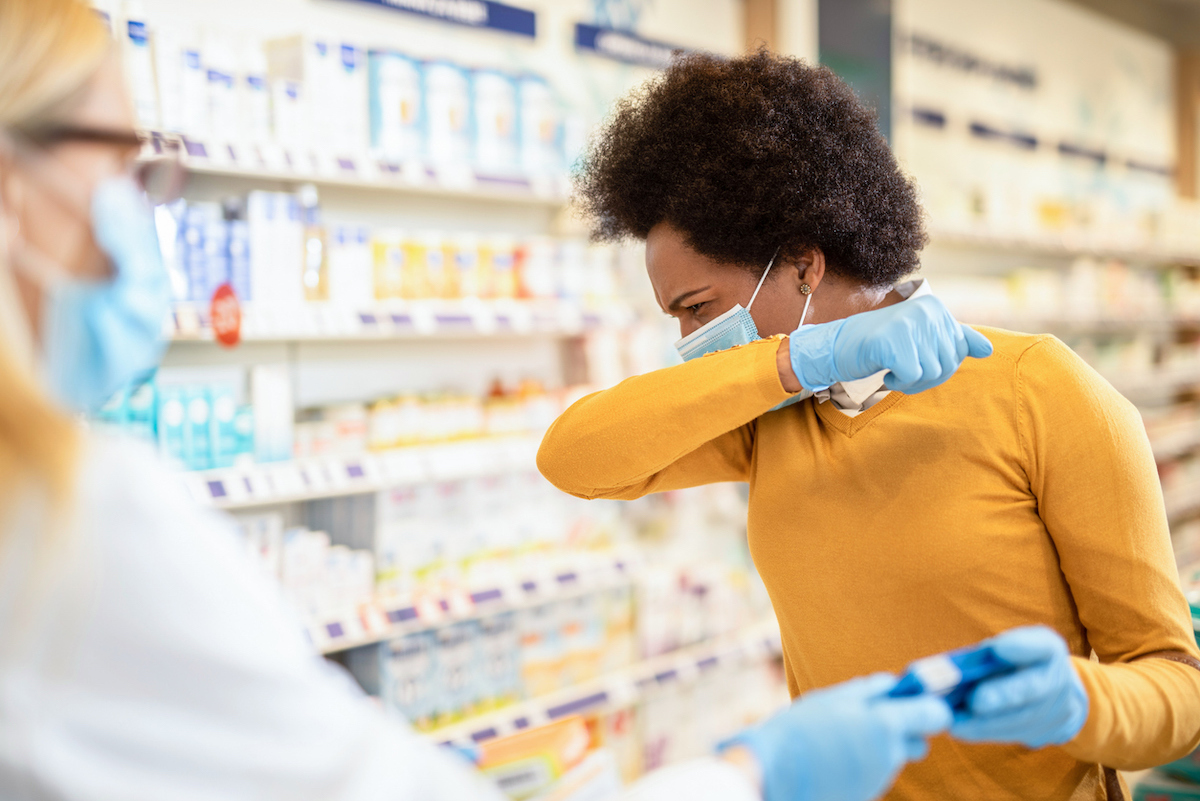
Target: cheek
63	236
779	316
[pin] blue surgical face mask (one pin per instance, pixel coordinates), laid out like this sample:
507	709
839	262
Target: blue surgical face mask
734	327
98	336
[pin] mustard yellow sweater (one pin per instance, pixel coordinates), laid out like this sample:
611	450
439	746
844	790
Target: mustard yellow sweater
1021	491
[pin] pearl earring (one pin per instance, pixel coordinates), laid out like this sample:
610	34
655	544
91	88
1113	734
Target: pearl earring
805	289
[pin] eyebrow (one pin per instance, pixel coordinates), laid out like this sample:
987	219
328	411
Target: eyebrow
677	303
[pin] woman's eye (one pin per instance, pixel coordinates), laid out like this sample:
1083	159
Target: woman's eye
695	308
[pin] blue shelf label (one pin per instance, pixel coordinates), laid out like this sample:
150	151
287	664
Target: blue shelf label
572	707
216	489
624	46
486	14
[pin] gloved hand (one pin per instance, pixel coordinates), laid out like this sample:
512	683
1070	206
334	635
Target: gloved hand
844	743
1043	703
918	341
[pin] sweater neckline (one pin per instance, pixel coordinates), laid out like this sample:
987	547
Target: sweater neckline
852	425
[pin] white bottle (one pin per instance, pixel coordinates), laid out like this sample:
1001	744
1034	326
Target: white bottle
255	96
139	65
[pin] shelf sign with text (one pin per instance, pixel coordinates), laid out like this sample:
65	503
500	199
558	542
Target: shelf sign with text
624	46
485	14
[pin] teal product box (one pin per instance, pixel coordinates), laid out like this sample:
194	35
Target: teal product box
1157	787
397	106
243	428
198	429
141	410
172	434
1186	769
224	436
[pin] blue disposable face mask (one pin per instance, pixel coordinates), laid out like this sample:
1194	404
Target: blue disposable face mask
98	336
733	328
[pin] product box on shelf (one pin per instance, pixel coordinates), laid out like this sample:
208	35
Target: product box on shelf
448	121
397	109
495	133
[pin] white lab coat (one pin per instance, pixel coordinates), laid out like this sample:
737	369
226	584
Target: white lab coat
142	658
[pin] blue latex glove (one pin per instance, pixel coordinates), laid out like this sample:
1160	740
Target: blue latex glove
918	341
1043	703
843	743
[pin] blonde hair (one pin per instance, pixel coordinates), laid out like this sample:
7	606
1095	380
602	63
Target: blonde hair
49	50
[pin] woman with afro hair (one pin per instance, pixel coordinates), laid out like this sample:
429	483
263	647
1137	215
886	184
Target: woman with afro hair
905	500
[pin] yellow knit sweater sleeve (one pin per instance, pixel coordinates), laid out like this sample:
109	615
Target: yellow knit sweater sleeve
678	427
1090	466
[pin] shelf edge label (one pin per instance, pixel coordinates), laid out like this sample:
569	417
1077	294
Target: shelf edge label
624	46
486	14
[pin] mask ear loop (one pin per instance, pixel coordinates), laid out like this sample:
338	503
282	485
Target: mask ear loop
803	314
764	278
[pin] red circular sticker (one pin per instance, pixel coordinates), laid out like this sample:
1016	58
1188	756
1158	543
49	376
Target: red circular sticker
226	314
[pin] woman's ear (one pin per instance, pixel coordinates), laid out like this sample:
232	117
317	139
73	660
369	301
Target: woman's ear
809	269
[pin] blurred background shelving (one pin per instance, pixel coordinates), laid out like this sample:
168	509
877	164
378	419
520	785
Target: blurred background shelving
387	196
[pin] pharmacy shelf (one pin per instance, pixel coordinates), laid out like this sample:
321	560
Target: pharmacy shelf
622	688
387	619
1180	442
1064	245
1182	501
1093	325
336	476
1155	382
416	320
205	158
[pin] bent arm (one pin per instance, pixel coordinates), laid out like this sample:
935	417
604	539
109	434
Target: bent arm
1092	470
677	427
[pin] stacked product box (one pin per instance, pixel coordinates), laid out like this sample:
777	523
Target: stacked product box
319	102
196	426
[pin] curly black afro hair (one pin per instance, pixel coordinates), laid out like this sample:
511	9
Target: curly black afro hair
751	154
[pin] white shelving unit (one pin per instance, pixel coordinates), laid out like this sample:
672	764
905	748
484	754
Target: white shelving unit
622	688
219	160
389	618
323	322
1063	246
335	476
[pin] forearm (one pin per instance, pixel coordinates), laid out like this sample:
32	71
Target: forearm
618	439
1140	714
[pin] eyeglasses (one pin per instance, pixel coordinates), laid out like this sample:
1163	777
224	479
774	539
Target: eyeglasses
160	175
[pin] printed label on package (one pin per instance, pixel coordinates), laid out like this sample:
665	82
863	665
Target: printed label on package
474	13
624	46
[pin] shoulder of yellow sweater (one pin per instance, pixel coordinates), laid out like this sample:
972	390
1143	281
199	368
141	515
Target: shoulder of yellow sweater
1010	346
